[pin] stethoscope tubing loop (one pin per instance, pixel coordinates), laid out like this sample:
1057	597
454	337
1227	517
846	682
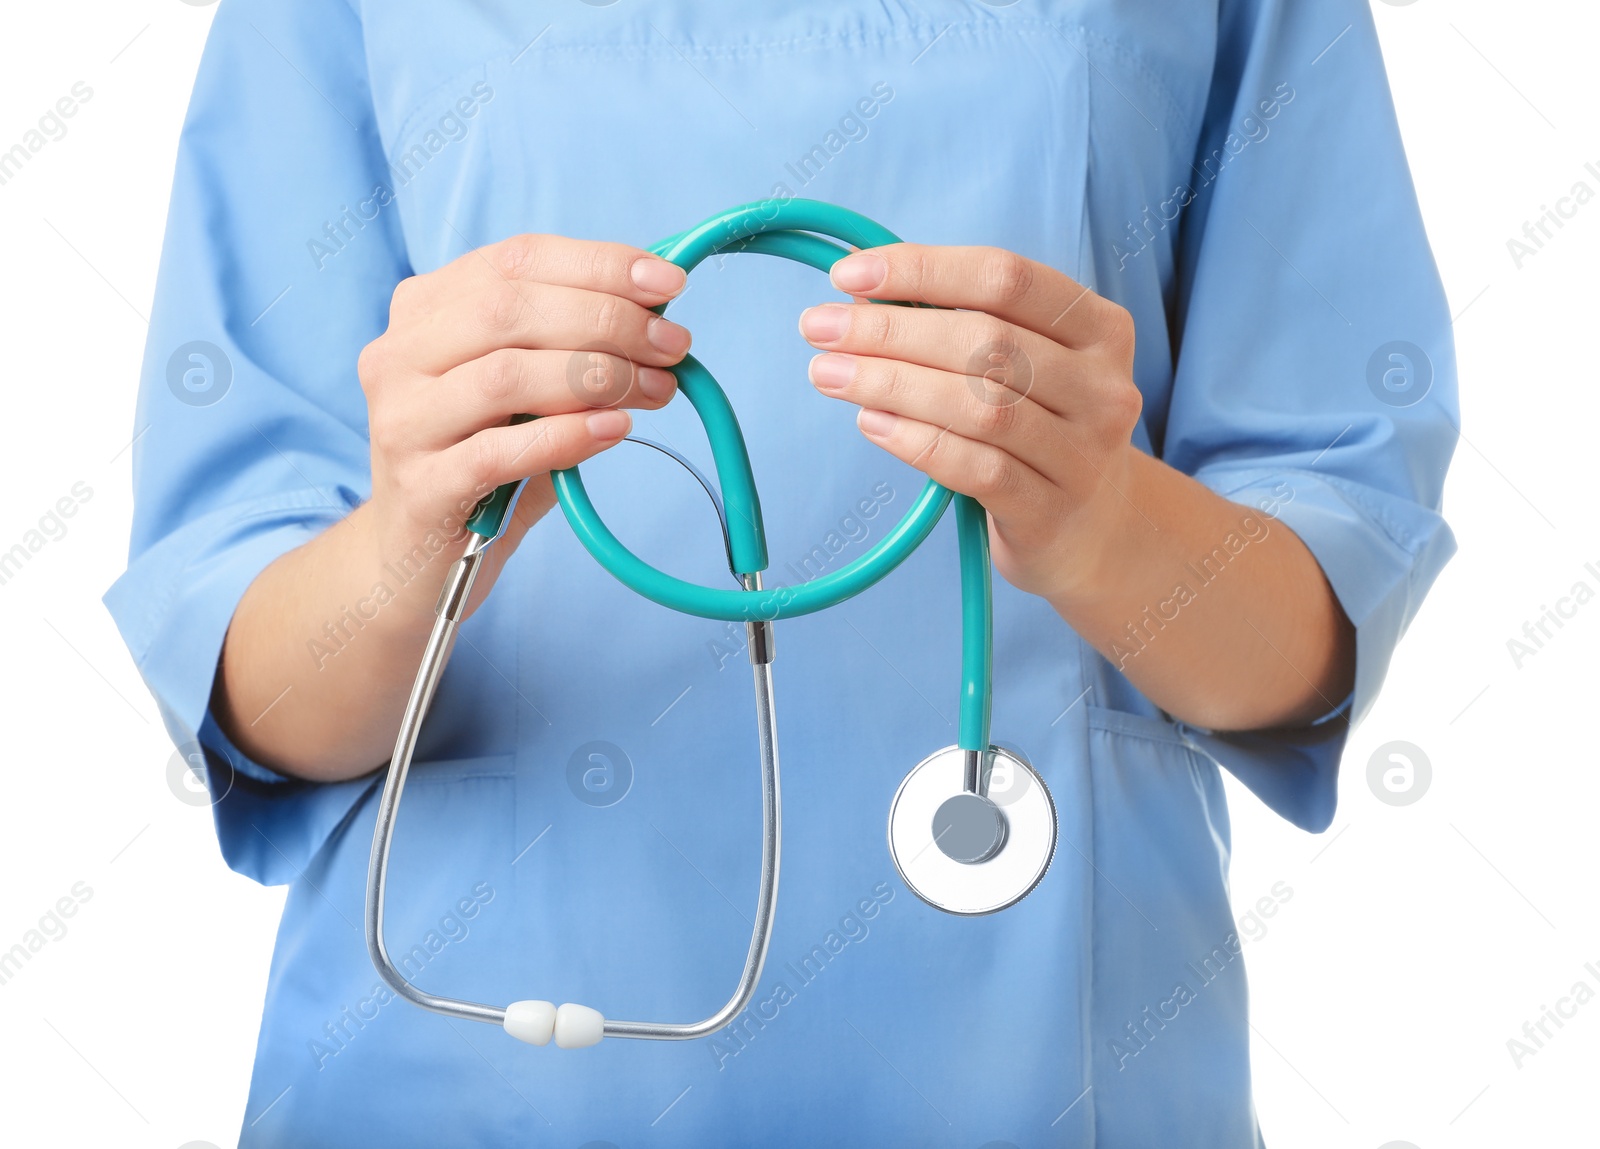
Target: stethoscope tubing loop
783	227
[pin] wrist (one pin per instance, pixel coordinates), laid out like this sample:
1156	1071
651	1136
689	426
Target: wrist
401	565
1103	536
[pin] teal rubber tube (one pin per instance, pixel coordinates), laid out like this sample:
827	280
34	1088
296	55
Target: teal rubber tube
799	230
977	623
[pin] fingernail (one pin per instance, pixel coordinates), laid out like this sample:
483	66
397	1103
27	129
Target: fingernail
825	324
876	423
665	335
656	383
833	372
658	276
607	425
859	273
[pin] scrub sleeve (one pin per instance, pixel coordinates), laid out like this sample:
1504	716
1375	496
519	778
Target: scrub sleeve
232	473
1286	315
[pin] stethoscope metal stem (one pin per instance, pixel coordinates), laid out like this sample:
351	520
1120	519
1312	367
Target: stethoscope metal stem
452	605
976	766
771	850
451	608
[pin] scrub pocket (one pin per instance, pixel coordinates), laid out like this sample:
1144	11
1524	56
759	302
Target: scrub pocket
449	927
452	842
1169	1034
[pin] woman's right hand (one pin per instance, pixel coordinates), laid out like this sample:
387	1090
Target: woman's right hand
538	324
317	663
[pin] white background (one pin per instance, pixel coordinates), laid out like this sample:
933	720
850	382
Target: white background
1419	939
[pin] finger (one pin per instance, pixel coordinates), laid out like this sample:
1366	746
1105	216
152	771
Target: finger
613	268
490	389
498	281
989	279
991	352
1008	488
961	404
501	455
535	316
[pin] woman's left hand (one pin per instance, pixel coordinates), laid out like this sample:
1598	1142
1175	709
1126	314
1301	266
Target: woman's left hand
1023	398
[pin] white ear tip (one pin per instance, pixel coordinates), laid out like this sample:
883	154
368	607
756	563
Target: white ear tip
578	1026
531	1021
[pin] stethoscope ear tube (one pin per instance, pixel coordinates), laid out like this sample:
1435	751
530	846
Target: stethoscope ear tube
450	610
571	1026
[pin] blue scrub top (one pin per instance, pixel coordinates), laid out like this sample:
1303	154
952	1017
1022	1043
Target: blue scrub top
583	823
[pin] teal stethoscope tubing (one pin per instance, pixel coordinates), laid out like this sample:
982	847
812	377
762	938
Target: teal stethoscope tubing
781	228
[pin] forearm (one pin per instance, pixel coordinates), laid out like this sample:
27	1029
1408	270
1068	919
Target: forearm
1217	612
318	662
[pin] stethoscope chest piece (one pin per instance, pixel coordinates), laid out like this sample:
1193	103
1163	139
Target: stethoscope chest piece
969	852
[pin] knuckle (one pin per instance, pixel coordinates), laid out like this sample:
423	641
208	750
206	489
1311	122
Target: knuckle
515	258
370	366
1005	277
882	325
994	419
621	379
999	339
608	318
874	382
548	440
993	476
405	297
599	378
887	380
914	265
1116	329
497	376
481	461
1129	408
499	308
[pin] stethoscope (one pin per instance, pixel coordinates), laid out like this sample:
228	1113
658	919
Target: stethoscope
972	827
